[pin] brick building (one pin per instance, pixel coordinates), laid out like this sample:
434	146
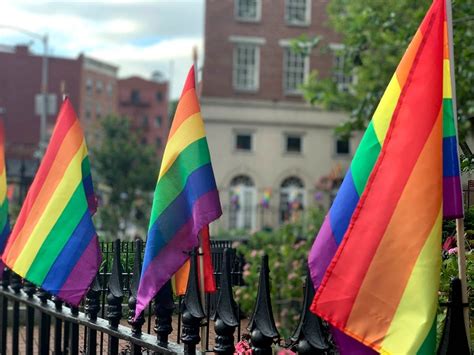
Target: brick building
145	103
254	111
90	84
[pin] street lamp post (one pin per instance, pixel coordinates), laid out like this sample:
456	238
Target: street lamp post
44	84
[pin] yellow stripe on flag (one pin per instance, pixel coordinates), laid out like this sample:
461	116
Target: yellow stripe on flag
190	131
446	79
424	299
56	205
383	113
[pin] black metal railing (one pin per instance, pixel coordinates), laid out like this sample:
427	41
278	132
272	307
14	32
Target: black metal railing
33	322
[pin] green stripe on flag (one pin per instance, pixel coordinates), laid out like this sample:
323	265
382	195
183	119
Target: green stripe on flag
365	158
429	344
58	236
172	183
449	129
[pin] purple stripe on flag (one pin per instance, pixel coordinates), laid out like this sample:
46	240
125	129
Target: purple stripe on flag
322	252
2	267
82	274
175	253
452	197
348	345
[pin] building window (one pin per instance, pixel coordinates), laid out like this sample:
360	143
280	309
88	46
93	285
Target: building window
110	89
297	12
89	85
159	96
243	141
98	111
145	122
292	197
246	67
243	203
88	110
341	77
135	97
248	10
158	121
295	70
293	143
342	146
99	86
158	143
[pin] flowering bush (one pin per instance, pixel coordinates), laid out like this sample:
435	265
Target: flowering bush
287	249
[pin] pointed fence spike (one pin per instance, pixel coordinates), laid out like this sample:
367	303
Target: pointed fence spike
115	287
164	308
309	336
134	283
262	325
29	288
225	315
454	338
192	309
15	282
92	306
5	281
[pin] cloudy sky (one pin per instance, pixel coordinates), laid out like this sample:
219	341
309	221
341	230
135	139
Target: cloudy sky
138	36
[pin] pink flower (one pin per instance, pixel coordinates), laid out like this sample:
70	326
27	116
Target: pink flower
292	276
242	347
235	245
449	243
246	273
285	352
453	251
246	267
253	253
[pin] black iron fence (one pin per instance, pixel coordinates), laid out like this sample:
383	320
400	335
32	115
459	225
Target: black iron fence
33	322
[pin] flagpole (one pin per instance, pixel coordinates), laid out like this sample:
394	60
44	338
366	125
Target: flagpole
200	250
459	221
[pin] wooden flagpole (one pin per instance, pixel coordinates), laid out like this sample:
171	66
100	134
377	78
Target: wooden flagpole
459	221
202	290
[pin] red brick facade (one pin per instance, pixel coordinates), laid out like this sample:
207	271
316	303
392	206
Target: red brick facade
221	24
20	82
145	102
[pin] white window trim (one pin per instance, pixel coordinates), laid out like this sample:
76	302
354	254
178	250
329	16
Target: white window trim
259	41
342	155
285	44
251	133
251	41
305	23
258	18
334	47
287	135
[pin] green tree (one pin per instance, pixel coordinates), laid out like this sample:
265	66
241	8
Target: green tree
375	34
125	173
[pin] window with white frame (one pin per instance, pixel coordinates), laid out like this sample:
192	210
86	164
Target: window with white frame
341	76
295	70
246	66
297	12
243	203
342	146
292	198
248	10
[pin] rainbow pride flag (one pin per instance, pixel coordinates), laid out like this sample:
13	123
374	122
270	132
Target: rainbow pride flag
375	262
4	222
54	243
186	197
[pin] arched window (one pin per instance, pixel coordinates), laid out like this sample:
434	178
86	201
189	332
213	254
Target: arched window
292	197
243	203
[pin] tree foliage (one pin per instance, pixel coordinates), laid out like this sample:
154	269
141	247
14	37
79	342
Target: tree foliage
125	173
375	34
